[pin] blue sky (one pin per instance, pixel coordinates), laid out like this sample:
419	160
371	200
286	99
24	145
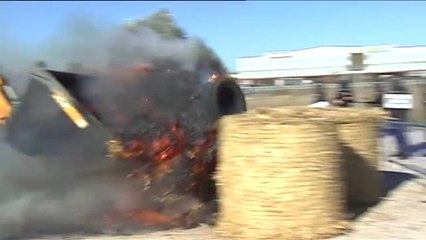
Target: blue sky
236	29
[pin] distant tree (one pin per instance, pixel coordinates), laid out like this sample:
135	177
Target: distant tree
164	24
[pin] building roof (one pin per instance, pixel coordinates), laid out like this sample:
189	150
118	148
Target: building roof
335	47
331	60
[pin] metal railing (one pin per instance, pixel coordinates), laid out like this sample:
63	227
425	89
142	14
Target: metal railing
271	89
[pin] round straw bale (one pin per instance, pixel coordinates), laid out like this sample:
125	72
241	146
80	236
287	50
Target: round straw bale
358	130
279	176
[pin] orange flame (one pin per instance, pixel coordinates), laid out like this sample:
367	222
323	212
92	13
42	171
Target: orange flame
167	149
148	217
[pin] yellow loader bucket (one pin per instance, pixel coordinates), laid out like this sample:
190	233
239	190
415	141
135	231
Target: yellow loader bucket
52	114
5	106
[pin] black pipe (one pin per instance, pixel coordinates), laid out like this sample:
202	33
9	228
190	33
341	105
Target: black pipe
223	98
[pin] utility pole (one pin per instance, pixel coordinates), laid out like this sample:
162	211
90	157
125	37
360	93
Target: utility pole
357	64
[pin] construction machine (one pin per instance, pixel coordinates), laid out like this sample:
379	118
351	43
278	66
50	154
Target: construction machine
63	127
55	109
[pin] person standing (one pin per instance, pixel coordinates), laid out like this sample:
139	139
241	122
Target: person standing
319	95
378	97
343	98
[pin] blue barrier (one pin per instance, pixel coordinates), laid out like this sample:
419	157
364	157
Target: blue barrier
398	130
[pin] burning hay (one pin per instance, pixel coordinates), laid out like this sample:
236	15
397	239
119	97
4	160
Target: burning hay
169	171
166	146
147	149
161	150
275	181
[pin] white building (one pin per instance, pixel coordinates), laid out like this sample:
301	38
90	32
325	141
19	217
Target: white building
330	63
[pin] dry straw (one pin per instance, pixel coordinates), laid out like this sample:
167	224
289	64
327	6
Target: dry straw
358	138
279	176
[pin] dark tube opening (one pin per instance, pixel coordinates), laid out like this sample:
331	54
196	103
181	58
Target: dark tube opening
229	98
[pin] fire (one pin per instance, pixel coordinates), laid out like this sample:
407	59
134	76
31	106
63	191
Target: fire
132	149
164	148
149	217
163	160
164	153
145	217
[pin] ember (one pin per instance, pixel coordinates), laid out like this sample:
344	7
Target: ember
156	163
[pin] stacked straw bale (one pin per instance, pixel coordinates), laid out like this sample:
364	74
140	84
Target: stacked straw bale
279	176
358	130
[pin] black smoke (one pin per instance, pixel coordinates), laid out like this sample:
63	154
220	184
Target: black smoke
69	189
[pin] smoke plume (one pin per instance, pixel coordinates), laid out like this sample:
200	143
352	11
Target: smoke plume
69	190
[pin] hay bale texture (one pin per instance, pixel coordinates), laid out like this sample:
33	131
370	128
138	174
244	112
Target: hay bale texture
358	130
279	176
